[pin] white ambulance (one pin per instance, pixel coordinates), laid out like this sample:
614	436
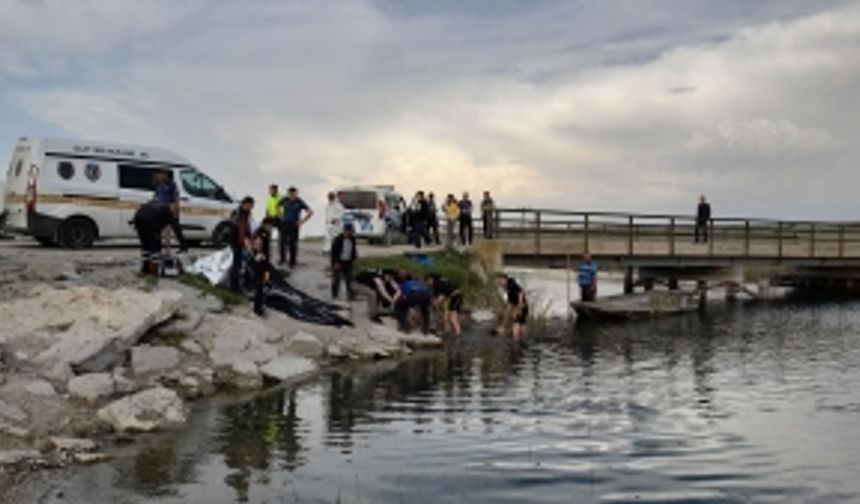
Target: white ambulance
73	192
375	211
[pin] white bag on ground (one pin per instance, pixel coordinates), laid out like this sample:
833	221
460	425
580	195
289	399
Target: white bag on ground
215	267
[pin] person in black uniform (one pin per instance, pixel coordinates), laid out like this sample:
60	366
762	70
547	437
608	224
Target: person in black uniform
447	296
261	270
344	252
703	219
380	289
240	239
149	222
516	307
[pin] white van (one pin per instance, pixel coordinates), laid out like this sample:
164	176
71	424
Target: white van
72	192
376	211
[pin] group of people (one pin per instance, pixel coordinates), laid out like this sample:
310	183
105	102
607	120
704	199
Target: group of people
421	219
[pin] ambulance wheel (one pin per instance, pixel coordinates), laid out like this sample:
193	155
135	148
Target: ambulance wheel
221	235
77	233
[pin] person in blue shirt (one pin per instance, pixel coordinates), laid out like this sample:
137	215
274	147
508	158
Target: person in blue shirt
296	214
586	277
413	294
466	228
167	194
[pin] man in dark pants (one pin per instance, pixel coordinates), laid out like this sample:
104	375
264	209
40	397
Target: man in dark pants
343	256
466	229
149	222
167	194
294	206
488	206
586	277
414	294
419	215
703	219
240	240
433	219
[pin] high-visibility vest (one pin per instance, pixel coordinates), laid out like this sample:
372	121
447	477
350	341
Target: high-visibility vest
273	207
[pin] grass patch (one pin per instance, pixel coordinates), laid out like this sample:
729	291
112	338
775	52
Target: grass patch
170	338
450	264
228	297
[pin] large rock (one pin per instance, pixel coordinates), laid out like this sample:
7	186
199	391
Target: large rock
12	412
306	344
88	328
239	373
12	430
69	445
149	359
40	388
15	457
287	367
145	411
92	386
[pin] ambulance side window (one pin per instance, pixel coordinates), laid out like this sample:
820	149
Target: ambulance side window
140	178
198	185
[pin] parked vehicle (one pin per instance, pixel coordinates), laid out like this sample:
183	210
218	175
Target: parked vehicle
376	211
73	192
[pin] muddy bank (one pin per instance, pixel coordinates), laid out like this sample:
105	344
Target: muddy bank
91	355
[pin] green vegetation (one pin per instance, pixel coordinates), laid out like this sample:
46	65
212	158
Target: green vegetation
229	298
455	266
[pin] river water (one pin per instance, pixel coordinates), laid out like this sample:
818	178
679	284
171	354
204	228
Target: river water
745	403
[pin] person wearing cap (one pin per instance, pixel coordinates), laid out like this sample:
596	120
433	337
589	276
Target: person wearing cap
333	220
293	207
343	255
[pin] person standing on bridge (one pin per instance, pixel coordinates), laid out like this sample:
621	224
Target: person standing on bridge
466	229
488	206
703	219
586	277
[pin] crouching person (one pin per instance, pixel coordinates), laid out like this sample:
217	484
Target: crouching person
149	222
414	294
379	288
449	299
261	269
343	256
516	307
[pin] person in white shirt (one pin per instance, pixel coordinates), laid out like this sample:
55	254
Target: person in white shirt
333	220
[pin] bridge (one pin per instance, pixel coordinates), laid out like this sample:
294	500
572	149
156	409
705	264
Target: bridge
663	246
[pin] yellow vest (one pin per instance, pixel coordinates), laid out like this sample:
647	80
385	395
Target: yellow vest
273	207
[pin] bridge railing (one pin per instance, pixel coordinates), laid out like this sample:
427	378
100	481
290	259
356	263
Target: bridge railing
555	231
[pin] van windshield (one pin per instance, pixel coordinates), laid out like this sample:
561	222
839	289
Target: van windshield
352	200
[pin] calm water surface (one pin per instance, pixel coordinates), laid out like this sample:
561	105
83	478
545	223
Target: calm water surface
744	404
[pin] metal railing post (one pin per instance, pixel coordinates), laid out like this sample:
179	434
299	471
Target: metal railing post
712	238
587	234
672	236
537	232
630	236
779	239
747	237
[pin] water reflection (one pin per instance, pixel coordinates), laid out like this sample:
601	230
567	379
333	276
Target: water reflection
744	404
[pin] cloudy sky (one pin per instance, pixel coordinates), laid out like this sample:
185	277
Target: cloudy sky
628	105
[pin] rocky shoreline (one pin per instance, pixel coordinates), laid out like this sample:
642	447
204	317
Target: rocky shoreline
91	354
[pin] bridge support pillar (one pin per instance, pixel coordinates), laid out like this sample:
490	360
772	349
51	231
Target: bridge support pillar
702	288
648	283
628	280
673	284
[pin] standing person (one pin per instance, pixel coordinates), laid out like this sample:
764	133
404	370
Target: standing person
447	296
343	255
419	214
167	194
149	222
240	239
294	207
703	219
516	307
433	219
586	277
452	217
274	218
414	294
488	206
333	220
466	230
